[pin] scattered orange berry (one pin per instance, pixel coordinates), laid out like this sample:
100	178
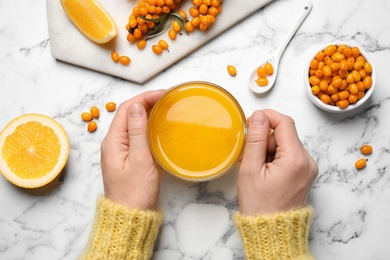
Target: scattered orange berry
163	44
111	106
114	55
361	163
366	149
232	70
85	116
157	49
92	126
95	112
124	60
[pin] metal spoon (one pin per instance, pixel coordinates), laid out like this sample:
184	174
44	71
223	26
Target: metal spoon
275	58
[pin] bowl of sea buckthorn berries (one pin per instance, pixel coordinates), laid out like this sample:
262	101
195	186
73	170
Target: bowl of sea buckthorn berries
339	77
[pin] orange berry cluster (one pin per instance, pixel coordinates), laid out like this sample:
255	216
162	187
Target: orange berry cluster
366	150
203	13
94	113
263	72
149	19
339	75
124	60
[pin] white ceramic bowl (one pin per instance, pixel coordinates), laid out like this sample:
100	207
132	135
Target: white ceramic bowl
333	108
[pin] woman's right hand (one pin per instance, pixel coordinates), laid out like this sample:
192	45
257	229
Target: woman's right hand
276	172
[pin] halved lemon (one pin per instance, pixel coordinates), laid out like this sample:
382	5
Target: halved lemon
34	149
91	19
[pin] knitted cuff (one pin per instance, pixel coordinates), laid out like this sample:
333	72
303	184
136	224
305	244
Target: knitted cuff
276	236
121	233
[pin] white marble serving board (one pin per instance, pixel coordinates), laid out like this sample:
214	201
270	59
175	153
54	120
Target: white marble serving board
69	45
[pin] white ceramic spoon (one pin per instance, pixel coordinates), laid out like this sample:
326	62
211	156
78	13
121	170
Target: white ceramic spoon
275	58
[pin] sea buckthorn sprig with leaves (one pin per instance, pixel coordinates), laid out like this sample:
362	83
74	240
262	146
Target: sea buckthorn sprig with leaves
151	18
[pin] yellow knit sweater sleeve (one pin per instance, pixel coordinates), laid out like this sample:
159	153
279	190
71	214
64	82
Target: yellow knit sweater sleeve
276	236
121	233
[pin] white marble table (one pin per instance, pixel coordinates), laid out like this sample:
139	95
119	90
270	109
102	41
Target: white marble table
352	217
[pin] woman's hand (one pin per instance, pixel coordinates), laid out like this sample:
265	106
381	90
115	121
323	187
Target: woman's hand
276	173
129	174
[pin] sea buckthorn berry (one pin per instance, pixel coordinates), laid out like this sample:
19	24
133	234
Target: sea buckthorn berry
352	98
332	90
189	26
176	26
172	34
362	73
337	57
356	75
366	149
182	13
211	18
130	38
141	44
197	2
360	86
361	58
203	9
215	3
204	20
342	104
269	69
336	82
326	70
313	80
330	50
360	95
355	52
335	97
314	64
202	26
358	65
194	12
324	85
95	112
212	11
110	106
157	49
163	44
367	82
195	21
261	72
85	116
124	60
232	70
325	98
343	95
92	126
262	82
352	88
137	33
367	67
318	73
320	56
165	9
114	56
343	65
315	90
361	163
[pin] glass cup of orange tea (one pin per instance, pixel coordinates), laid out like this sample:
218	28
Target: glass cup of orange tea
197	131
